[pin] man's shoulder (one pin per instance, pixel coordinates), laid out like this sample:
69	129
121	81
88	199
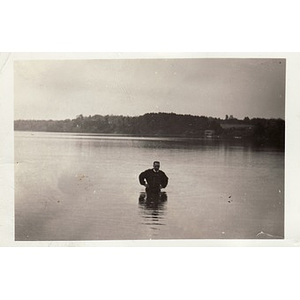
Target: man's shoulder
147	171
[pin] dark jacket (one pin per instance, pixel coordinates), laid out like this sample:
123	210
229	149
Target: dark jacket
156	180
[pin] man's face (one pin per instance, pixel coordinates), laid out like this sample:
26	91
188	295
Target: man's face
156	166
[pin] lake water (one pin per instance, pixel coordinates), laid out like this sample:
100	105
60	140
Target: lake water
85	187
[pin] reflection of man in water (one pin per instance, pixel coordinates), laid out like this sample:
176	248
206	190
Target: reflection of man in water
153	207
153	179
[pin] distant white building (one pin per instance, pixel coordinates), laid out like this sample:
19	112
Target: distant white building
209	133
237	126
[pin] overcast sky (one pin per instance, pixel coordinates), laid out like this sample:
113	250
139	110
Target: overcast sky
62	89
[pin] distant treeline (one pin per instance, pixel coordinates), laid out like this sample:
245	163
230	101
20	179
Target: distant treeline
166	124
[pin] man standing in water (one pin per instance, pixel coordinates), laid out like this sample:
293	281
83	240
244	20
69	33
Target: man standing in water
153	179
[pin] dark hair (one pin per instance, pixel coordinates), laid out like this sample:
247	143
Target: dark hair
156	162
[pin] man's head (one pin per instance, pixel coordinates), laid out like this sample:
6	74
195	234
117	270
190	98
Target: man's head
156	165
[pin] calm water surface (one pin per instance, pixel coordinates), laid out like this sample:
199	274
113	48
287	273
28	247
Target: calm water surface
85	187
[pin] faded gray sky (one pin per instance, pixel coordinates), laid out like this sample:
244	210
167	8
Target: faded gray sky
61	89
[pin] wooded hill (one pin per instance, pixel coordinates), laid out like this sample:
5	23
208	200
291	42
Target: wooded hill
164	124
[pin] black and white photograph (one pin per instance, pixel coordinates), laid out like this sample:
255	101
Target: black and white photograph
155	148
149	150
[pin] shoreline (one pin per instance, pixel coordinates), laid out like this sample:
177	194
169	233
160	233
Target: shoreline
175	138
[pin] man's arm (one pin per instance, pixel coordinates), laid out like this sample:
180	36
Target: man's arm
142	178
165	180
